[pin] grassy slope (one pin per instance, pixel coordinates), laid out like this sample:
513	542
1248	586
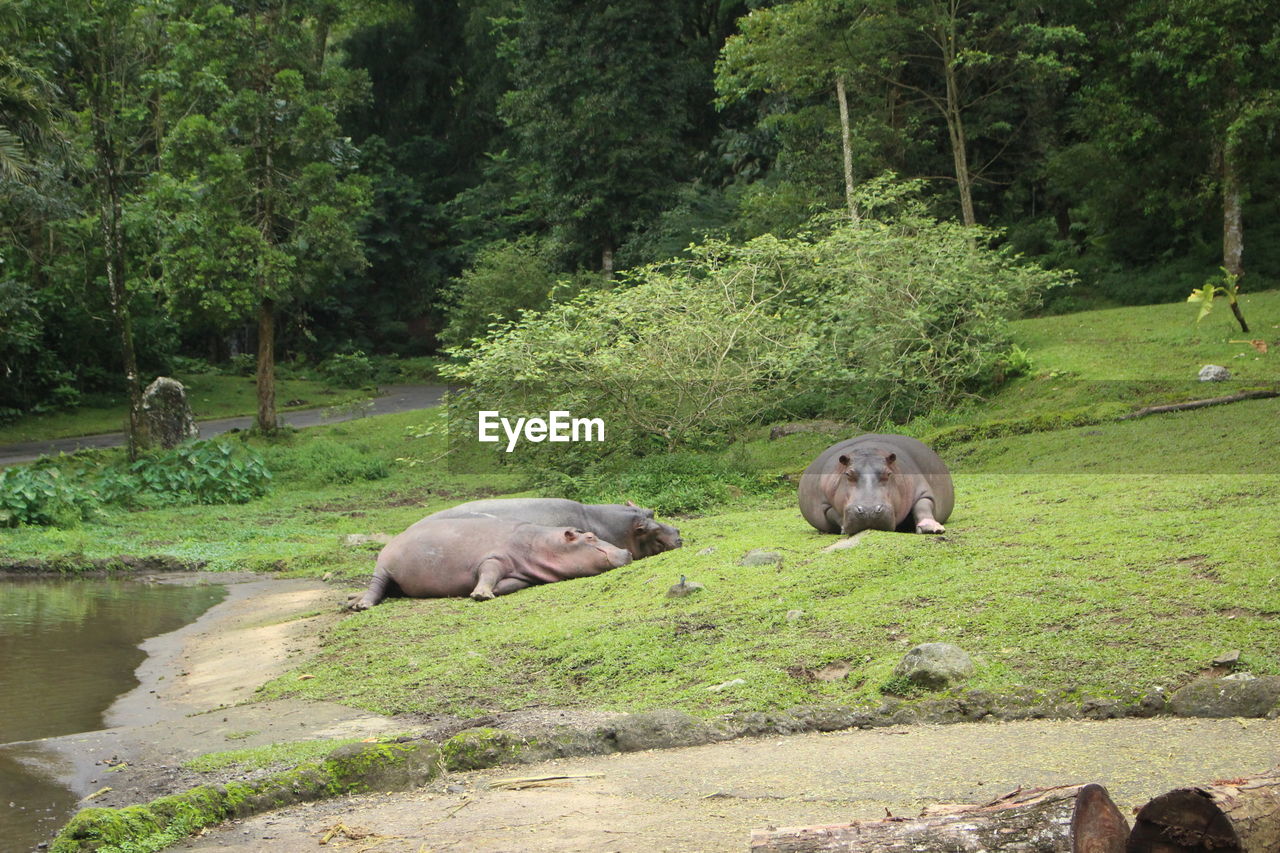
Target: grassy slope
1110	557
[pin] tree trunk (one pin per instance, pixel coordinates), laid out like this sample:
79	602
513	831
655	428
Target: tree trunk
1232	226
266	366
1237	816
953	113
846	145
1069	819
606	259
111	231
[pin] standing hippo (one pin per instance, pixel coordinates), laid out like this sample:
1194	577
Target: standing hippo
625	525
877	482
484	557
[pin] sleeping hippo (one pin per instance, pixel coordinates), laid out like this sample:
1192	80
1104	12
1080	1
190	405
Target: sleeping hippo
877	482
625	525
484	557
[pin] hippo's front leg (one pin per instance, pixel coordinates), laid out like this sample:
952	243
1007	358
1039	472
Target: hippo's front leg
925	522
488	576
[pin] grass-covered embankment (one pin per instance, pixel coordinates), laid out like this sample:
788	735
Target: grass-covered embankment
1102	559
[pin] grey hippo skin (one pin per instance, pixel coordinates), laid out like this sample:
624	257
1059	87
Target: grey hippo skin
484	558
625	525
877	482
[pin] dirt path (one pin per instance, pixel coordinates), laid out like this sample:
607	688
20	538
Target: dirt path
709	798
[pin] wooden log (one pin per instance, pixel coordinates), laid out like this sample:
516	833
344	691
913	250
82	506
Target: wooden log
1257	394
1065	819
1234	816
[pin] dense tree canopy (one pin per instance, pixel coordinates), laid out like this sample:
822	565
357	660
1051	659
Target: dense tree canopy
318	177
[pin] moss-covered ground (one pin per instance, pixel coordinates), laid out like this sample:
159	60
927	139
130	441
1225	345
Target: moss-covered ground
1098	559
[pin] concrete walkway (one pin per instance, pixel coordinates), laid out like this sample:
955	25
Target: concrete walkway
392	398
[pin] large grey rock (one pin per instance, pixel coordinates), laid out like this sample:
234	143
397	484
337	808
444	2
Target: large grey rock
760	557
1214	373
1224	697
661	729
935	665
168	414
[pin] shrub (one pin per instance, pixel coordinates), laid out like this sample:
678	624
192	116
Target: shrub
349	370
203	472
676	482
324	461
43	495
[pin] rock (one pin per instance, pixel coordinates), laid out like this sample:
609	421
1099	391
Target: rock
1227	697
760	557
684	588
848	542
719	687
1239	676
794	615
710	549
354	539
660	729
383	766
168	414
1214	373
1230	658
935	665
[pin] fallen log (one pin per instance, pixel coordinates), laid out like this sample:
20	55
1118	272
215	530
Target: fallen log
1065	819
1256	394
1233	816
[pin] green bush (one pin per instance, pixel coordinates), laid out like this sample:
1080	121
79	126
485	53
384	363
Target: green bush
43	495
323	460
885	319
203	472
506	279
349	370
676	482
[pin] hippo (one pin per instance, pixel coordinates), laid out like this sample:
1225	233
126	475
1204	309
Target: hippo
484	557
877	482
625	525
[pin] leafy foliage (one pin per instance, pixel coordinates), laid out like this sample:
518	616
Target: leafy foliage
43	495
203	472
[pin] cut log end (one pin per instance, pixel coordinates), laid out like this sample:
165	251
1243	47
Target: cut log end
1097	826
1183	821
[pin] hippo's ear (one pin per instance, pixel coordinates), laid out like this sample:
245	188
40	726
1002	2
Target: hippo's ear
570	535
844	460
891	458
631	503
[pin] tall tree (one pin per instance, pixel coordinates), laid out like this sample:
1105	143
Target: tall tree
598	108
261	202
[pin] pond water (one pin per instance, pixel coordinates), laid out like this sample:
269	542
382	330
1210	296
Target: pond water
68	648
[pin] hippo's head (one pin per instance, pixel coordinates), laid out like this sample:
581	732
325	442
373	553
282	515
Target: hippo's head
868	492
587	554
649	536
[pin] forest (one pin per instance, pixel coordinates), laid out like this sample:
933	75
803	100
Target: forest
279	183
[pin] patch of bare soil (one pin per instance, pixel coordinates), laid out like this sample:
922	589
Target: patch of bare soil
709	798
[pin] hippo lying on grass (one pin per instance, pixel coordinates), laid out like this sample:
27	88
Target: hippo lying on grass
484	557
625	525
877	482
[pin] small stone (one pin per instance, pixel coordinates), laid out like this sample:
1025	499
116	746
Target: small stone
354	539
760	557
849	542
1214	373
684	588
710	549
794	615
1230	658
935	665
734	683
1239	676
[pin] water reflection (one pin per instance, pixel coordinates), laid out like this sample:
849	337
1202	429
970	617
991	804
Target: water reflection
68	648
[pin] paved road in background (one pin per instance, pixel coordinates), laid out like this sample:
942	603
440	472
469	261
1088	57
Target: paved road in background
390	399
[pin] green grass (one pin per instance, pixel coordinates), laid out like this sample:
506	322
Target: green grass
289	754
212	396
1098	559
